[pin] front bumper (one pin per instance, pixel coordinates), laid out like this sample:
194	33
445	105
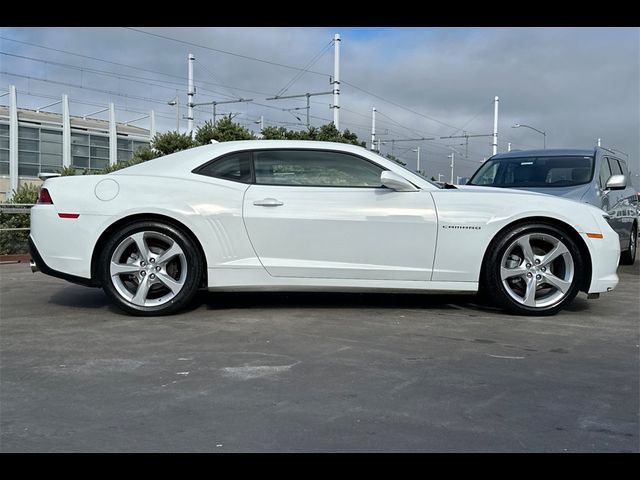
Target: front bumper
605	256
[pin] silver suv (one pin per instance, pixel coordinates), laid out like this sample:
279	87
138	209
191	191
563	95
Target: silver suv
598	177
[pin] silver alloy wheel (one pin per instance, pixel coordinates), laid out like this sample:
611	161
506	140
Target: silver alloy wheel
148	268
632	243
537	270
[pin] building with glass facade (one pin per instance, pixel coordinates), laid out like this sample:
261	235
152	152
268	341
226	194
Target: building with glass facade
43	143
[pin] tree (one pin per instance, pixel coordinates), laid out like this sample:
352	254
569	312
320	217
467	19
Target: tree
224	130
16	241
66	171
276	133
142	154
326	133
171	142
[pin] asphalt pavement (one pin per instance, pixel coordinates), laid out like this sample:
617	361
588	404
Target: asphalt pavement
278	372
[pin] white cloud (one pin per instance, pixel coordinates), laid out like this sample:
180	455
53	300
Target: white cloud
578	84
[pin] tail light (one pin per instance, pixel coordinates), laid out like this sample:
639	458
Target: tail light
45	197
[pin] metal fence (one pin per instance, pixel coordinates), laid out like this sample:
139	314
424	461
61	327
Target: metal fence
16	208
14	229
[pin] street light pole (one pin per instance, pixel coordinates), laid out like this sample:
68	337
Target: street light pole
544	134
452	156
176	103
417	149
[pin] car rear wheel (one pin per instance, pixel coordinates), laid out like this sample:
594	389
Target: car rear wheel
150	268
534	269
628	256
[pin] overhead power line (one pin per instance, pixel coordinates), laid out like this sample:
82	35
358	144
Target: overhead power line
67	52
299	75
239	55
109	92
398	105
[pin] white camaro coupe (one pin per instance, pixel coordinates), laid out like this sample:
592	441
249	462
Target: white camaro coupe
300	216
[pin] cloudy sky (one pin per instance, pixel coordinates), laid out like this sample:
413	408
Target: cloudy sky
577	84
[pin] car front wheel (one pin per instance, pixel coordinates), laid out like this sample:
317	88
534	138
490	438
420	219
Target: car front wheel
150	268
534	269
628	256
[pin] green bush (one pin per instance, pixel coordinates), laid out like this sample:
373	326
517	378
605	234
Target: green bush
16	241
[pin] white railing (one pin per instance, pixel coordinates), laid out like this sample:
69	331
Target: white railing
17	208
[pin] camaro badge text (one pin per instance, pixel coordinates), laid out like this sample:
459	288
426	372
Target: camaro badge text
461	227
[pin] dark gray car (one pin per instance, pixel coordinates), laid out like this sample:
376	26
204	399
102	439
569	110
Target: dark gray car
598	177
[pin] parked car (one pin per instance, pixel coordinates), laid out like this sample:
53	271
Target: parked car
302	215
597	177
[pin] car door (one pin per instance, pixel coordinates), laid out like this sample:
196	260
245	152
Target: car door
612	202
324	214
627	201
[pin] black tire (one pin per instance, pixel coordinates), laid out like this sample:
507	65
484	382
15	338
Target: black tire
189	266
628	256
493	281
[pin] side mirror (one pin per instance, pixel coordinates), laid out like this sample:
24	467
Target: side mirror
395	182
617	182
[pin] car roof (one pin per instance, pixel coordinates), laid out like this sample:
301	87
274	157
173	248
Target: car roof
551	152
186	160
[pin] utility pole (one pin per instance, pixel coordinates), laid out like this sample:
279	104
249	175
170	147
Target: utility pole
509	147
214	104
190	93
495	125
307	95
452	154
152	125
466	145
417	149
373	128
336	81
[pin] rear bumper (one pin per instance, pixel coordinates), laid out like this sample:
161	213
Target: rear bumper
44	268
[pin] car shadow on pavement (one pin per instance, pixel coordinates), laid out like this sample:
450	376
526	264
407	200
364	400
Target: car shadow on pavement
274	300
82	297
93	298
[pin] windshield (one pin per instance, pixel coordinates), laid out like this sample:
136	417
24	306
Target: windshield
535	172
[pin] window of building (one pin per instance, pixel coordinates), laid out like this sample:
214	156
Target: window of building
127	147
4	149
89	151
39	150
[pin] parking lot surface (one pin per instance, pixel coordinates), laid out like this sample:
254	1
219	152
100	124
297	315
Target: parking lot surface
315	373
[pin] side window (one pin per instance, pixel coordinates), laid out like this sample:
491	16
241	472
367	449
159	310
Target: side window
614	166
235	167
623	167
605	172
314	169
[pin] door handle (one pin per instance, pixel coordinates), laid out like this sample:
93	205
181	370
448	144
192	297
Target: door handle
268	202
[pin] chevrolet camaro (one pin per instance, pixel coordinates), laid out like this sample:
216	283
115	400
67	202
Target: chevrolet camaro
300	216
